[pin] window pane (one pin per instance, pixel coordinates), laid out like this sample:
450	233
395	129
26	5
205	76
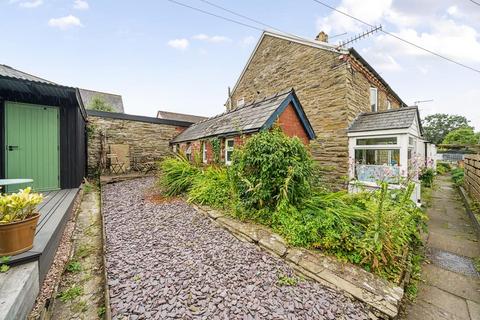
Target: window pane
389	157
230	143
373	99
376	141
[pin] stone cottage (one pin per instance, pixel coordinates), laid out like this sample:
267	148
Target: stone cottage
216	138
335	86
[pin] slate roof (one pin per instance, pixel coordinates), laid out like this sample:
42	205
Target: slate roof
115	100
7	71
385	120
249	118
179	116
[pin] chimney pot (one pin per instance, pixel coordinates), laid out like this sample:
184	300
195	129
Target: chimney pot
322	36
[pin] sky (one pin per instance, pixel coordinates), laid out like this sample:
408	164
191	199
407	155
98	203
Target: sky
162	56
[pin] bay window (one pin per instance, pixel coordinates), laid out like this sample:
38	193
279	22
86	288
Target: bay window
377	158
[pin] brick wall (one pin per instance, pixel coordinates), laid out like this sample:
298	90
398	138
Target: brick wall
330	88
148	141
291	125
472	175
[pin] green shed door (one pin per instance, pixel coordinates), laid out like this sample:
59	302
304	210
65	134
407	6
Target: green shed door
32	145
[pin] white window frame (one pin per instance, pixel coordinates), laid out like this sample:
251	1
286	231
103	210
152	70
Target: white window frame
241	102
227	149
174	148
375	90
389	105
204	151
188	151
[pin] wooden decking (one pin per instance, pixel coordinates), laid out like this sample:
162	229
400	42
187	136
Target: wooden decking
54	213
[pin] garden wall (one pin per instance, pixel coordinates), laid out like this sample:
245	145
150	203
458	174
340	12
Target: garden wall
472	175
148	138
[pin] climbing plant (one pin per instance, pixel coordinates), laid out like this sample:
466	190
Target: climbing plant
216	145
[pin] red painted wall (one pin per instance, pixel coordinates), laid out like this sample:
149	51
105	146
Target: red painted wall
291	124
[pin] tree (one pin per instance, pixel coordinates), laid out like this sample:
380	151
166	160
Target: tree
437	126
462	136
99	104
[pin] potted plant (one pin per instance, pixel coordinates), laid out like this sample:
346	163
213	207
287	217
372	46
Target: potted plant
18	221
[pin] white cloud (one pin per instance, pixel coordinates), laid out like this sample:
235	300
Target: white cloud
212	39
81	5
247	41
31	4
65	22
181	44
381	60
370	11
444	30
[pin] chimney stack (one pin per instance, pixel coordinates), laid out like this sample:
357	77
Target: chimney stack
322	36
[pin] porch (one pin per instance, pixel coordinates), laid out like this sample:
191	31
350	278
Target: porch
388	147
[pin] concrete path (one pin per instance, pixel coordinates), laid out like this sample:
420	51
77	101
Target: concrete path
451	287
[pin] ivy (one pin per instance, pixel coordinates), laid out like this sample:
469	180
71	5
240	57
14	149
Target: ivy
216	147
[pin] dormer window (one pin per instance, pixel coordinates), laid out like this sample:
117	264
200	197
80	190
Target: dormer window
241	102
374	99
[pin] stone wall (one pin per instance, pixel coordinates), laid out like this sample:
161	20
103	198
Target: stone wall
148	141
472	175
331	91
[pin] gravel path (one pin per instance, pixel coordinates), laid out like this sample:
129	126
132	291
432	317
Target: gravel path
167	261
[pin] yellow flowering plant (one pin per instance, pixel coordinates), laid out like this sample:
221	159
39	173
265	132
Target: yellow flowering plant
18	206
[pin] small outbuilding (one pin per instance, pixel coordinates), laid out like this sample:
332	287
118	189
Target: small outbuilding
217	137
43	131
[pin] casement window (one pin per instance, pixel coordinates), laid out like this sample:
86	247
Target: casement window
379	157
188	152
204	151
229	143
389	105
374	99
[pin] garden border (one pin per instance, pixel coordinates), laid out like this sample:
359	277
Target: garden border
465	198
383	297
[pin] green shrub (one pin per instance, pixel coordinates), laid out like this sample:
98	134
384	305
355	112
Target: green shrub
211	187
426	177
271	181
177	175
458	176
271	167
443	167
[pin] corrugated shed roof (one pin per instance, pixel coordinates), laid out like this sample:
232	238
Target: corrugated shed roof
390	119
249	118
114	100
7	71
179	116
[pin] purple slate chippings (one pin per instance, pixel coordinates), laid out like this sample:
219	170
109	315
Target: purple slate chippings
168	261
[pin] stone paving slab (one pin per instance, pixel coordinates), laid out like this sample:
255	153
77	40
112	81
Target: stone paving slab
422	310
169	261
465	287
474	310
444	301
460	245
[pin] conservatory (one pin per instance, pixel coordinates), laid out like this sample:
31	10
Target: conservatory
387	146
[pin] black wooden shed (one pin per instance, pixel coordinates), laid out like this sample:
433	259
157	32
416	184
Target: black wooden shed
43	133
